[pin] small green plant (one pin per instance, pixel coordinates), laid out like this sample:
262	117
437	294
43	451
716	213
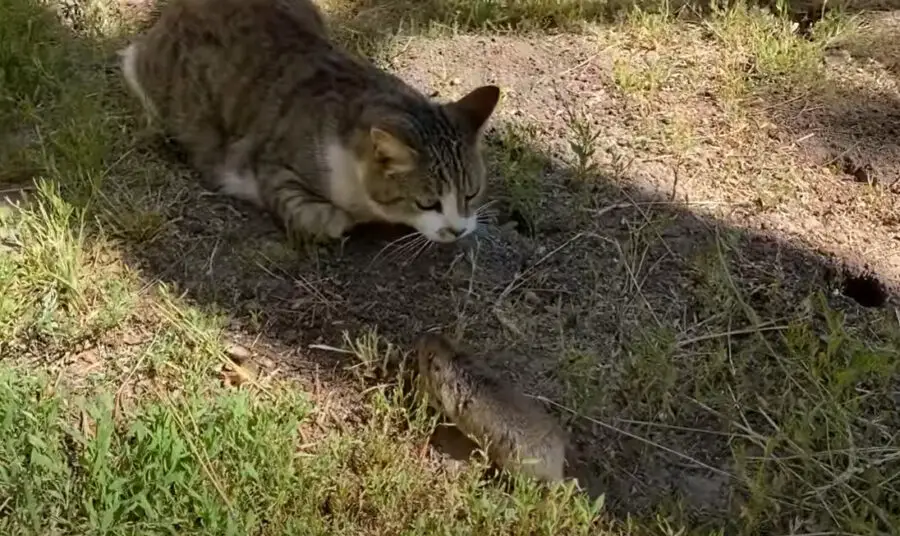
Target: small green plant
520	165
767	48
584	142
581	376
640	80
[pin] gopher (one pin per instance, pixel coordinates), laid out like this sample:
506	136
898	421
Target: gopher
516	430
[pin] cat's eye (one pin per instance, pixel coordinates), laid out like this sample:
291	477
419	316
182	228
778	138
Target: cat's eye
470	197
429	206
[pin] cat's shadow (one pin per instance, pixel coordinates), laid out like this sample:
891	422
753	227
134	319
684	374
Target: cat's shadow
378	233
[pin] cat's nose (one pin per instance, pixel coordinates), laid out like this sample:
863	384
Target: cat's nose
456	232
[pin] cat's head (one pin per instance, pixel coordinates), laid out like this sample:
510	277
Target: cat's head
424	166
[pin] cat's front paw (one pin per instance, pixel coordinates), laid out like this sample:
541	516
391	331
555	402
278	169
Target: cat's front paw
339	223
320	221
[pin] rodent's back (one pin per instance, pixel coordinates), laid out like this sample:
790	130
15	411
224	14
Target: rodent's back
514	426
521	432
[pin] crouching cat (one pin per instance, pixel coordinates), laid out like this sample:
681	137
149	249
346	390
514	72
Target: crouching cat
271	111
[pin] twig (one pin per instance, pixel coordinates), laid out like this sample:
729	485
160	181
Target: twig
730	333
634	280
604	210
708	203
212	255
329	349
751	314
199	337
118	396
470	291
680	428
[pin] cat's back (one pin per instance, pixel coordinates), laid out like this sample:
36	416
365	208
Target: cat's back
226	61
265	26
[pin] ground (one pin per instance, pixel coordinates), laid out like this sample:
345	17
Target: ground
695	264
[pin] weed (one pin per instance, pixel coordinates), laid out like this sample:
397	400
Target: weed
583	142
580	374
520	167
766	49
646	79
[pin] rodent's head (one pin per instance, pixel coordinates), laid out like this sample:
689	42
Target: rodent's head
422	164
434	353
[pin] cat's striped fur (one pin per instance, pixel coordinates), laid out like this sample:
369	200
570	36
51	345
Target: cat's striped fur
270	110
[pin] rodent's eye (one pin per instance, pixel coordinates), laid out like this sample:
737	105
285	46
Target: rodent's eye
435	206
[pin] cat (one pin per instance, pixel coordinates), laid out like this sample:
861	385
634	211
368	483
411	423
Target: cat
271	111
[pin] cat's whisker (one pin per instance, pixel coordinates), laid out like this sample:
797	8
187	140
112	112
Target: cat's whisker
393	244
486	206
487	226
417	250
422	249
486	217
486	212
408	247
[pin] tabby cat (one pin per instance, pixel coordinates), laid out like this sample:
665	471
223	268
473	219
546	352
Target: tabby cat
271	111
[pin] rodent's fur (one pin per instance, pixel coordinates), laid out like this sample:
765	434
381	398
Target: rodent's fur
518	433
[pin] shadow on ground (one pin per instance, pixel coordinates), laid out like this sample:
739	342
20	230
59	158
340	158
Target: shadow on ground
588	308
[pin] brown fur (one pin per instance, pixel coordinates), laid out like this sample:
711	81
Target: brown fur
518	432
270	110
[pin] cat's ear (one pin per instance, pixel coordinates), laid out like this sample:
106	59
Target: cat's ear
476	107
395	155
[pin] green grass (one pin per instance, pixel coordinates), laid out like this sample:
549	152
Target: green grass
148	442
520	168
195	464
236	462
531	15
810	425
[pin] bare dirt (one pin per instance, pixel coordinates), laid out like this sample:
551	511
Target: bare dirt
611	255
